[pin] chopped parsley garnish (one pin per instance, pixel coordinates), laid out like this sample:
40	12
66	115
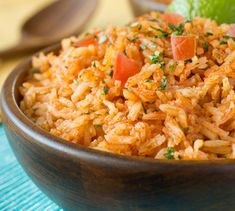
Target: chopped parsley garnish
163	35
124	51
207	34
103	38
171	67
133	39
153	19
177	30
155	58
226	37
143	46
97	125
205	46
164	84
33	70
144	109
149	81
223	42
186	129
75	81
105	90
170	153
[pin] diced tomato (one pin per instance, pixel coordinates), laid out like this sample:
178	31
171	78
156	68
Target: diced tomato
125	68
86	42
231	31
173	18
183	47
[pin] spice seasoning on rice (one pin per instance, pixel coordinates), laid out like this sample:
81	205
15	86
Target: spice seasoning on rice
161	87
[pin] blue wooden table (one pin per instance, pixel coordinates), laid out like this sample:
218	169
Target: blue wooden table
17	191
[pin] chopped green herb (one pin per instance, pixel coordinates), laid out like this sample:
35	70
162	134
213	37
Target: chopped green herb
153	19
143	46
149	81
162	63
33	70
226	37
223	42
133	39
154	28
176	30
124	51
103	38
207	34
105	90
170	153
111	73
171	67
75	81
163	35
139	27
186	129
205	46
155	57
164	84
93	64
97	125
145	111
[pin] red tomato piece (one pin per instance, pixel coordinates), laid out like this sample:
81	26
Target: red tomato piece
231	31
173	18
183	47
86	42
125	68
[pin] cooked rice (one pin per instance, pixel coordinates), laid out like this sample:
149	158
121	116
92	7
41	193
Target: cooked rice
193	118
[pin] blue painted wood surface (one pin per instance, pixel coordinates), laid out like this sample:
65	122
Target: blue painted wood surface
17	191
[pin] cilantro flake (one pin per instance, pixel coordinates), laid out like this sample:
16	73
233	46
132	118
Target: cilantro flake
177	30
170	153
164	84
205	46
105	90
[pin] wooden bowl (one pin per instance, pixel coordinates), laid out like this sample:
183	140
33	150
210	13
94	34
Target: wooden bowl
78	178
141	7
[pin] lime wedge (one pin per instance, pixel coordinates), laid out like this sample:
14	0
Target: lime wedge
222	11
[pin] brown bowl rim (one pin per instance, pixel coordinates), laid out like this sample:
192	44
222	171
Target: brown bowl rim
12	112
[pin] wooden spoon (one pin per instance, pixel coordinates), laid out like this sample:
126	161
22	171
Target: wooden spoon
58	20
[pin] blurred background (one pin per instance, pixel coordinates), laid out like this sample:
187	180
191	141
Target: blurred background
13	13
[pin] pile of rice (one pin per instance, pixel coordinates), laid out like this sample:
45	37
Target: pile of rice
73	95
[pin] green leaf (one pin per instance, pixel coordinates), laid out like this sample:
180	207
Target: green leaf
179	30
149	81
145	111
205	46
207	34
223	42
164	84
170	153
105	90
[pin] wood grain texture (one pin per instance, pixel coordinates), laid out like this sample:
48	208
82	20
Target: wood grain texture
80	178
